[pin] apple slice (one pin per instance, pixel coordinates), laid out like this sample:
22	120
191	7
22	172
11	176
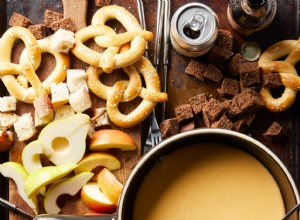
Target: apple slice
94	199
69	186
17	172
109	185
110	138
65	140
44	176
93	160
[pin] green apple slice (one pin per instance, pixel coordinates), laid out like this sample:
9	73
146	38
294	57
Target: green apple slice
17	172
44	176
65	140
69	186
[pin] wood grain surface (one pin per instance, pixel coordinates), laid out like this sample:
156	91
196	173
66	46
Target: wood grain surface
180	88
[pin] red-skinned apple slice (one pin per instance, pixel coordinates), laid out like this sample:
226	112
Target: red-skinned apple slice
111	138
94	199
109	185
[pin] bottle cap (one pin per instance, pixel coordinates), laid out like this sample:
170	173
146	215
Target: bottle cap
251	51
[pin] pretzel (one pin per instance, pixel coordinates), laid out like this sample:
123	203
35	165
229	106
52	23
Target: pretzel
109	40
30	60
127	90
270	62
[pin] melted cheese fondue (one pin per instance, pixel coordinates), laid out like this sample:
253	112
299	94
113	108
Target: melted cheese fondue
211	182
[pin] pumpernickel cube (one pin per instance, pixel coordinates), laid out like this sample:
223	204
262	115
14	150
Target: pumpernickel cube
65	23
233	66
19	20
249	74
183	112
52	16
218	56
38	30
169	127
275	132
223	122
195	69
271	80
213	73
229	87
211	111
225	39
197	102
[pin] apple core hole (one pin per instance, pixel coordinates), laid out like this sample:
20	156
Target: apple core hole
60	144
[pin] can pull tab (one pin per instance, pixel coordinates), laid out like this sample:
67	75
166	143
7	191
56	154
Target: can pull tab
192	27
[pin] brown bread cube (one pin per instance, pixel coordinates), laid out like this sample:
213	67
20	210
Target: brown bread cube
272	80
225	39
275	132
218	56
223	122
183	112
240	125
19	20
52	16
102	3
187	126
249	74
169	127
213	73
229	87
197	102
38	30
195	69
65	23
233	66
211	111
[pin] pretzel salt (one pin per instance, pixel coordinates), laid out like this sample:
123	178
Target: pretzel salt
127	90
30	60
270	62
108	39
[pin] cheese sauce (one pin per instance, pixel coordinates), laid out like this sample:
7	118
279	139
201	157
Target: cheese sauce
209	182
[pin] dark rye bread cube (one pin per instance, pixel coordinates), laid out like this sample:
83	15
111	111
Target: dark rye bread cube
169	127
65	23
218	56
233	66
245	103
240	125
249	74
275	132
213	73
51	16
38	30
225	39
187	126
183	112
211	111
102	3
19	20
223	122
271	80
229	87
195	69
197	102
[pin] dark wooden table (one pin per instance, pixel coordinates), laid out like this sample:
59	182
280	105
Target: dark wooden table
180	86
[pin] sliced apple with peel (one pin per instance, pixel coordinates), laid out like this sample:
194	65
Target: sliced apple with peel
111	138
94	199
97	159
44	176
109	185
17	172
65	140
70	186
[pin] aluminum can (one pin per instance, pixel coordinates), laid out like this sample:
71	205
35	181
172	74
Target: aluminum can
194	29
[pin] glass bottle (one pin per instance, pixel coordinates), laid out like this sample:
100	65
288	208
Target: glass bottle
249	16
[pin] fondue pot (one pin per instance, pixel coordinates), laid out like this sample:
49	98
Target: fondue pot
243	142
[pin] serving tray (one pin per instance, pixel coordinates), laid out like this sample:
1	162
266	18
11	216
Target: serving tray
180	86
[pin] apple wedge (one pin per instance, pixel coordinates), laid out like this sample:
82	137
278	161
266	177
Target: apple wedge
69	186
17	172
109	185
65	140
93	160
110	138
44	176
94	199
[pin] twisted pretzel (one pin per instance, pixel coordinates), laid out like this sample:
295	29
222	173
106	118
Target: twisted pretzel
30	60
108	39
269	62
127	90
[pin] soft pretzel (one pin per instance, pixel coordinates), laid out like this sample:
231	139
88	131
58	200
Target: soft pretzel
127	90
108	39
30	60
270	62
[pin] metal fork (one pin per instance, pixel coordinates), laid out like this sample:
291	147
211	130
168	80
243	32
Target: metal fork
154	135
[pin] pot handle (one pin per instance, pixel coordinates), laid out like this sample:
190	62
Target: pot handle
78	217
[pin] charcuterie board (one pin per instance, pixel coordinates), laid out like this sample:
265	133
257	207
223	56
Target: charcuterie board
181	87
